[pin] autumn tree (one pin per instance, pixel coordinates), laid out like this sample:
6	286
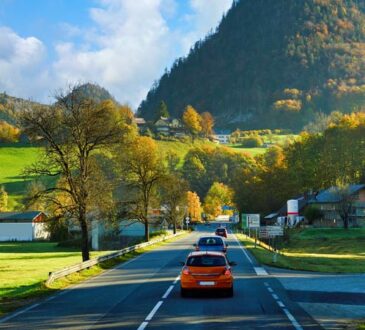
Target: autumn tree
194	206
218	195
174	198
71	132
207	123
142	169
192	121
3	199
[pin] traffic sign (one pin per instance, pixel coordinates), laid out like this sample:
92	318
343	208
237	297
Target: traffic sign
271	231
253	220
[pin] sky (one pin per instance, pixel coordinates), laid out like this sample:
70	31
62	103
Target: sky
121	45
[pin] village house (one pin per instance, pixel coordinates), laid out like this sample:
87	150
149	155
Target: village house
222	136
23	226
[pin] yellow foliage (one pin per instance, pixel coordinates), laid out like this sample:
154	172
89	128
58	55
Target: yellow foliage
288	105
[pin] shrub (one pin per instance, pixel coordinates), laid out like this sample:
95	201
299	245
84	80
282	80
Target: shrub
253	141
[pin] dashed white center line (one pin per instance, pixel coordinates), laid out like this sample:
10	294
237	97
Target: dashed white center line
176	279
275	296
153	311
270	290
280	303
143	326
167	292
292	319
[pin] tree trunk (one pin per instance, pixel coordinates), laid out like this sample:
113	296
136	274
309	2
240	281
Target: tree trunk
84	237
346	222
174	227
146	231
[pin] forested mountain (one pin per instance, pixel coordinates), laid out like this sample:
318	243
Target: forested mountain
271	64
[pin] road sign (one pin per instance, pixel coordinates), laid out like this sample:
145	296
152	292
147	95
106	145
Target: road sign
271	231
253	220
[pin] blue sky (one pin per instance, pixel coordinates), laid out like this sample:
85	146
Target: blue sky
123	45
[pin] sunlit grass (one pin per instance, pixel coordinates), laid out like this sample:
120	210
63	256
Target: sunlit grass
24	268
333	250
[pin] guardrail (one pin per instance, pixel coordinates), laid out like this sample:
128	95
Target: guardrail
92	262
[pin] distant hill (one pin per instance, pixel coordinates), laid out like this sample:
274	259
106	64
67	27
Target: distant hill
271	64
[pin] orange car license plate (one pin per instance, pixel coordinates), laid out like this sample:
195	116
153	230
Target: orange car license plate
206	283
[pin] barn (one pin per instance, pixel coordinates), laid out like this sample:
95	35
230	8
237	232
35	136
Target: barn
23	226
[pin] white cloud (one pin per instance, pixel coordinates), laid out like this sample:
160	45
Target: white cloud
128	46
20	62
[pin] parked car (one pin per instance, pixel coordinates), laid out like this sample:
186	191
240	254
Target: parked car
211	243
206	270
221	231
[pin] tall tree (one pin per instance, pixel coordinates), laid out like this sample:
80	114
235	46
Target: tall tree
143	170
217	196
207	123
174	198
71	132
192	121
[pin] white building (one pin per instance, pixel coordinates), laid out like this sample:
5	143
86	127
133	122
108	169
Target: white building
23	226
222	136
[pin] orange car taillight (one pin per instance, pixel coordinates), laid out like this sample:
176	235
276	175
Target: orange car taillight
186	271
227	272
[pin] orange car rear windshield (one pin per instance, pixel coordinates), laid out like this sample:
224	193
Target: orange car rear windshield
210	241
206	261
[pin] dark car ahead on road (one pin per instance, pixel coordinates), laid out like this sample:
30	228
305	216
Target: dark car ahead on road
221	231
211	243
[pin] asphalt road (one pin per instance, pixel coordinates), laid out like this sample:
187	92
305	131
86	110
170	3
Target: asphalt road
144	294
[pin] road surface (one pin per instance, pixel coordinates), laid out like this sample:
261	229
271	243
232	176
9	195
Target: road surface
144	294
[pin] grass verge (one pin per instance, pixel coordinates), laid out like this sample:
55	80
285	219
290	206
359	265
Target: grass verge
25	294
321	250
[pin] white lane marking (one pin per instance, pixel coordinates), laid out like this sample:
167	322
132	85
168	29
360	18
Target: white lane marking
270	290
275	296
260	271
243	250
176	279
153	311
167	292
142	326
292	319
280	303
266	284
18	313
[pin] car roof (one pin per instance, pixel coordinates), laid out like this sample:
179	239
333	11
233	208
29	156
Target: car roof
203	253
213	236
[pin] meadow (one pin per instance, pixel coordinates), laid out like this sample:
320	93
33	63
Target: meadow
334	250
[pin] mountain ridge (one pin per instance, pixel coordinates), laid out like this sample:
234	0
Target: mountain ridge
271	64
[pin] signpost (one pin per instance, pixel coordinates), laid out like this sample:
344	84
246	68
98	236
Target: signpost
271	231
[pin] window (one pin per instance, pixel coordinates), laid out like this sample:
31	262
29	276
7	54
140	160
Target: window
206	261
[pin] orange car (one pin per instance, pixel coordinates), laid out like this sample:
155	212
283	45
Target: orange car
207	270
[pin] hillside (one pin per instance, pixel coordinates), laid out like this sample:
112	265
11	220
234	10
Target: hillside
271	64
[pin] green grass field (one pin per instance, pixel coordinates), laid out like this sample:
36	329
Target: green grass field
323	250
13	160
24	267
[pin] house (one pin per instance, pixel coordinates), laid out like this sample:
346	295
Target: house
222	136
141	124
169	127
331	202
23	226
136	228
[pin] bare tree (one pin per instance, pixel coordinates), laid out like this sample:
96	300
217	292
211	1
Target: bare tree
71	132
345	203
